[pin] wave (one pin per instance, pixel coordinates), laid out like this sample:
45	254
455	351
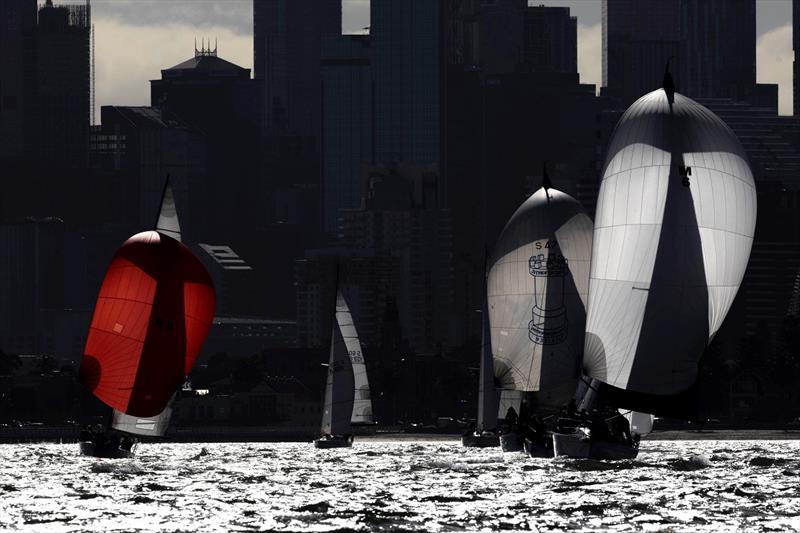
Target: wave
691	463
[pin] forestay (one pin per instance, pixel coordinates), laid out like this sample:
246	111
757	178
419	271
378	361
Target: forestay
675	222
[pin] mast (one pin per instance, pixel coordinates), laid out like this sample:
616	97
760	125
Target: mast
156	426
340	385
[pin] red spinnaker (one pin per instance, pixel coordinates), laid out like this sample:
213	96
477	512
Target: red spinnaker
152	315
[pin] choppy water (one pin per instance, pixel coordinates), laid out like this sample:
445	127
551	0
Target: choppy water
385	485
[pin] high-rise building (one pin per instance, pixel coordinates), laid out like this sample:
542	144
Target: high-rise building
220	99
17	74
639	37
718	49
287	36
550	40
347	123
63	61
406	39
401	217
132	153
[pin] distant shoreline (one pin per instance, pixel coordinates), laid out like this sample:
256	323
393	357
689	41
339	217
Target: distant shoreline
254	434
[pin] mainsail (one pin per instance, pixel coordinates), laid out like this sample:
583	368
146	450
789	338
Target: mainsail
675	222
155	426
362	402
537	289
339	389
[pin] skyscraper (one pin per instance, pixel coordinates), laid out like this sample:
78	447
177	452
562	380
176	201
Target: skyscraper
347	123
406	37
17	27
286	50
550	40
718	49
63	39
639	36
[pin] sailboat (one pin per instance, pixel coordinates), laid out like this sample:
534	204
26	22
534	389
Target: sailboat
675	222
485	434
153	312
347	394
537	291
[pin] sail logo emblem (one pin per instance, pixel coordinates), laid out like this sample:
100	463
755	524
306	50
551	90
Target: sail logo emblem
548	323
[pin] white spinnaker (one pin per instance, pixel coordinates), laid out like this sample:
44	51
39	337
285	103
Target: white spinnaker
362	403
640	423
537	290
671	244
338	406
154	426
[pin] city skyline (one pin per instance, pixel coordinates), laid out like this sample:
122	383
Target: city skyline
159	40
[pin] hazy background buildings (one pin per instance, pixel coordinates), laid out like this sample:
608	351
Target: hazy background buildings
386	160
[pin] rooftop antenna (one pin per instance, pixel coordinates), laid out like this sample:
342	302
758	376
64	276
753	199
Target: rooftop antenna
546	183
668	85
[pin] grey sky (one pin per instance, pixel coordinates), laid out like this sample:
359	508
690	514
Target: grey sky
137	38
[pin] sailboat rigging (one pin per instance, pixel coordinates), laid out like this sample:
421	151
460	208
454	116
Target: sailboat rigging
347	394
153	312
668	258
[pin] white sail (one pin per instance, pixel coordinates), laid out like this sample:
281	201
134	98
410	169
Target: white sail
155	426
537	288
640	423
339	389
487	394
674	226
508	398
362	402
168	223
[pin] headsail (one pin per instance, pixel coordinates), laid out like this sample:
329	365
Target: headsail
537	288
155	426
152	315
675	222
640	423
339	389
362	402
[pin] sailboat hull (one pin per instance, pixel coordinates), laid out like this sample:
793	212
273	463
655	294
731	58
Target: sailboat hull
480	440
578	445
511	442
334	441
110	450
539	449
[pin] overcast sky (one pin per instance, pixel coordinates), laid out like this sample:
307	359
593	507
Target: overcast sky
135	39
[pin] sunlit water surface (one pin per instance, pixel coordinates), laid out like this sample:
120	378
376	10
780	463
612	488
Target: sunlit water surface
397	485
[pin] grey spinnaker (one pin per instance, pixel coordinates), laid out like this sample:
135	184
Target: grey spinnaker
154	426
362	402
537	289
673	231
